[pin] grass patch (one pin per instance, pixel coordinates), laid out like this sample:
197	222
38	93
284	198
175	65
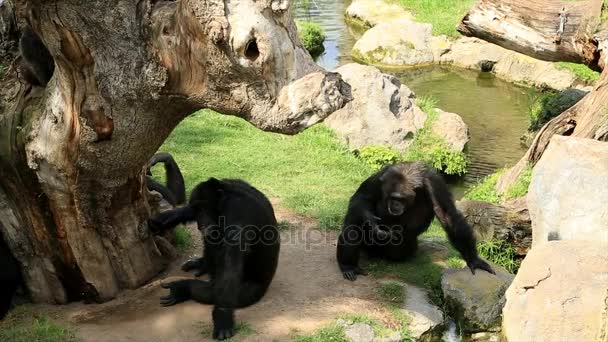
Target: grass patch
183	238
312	36
486	189
377	156
581	71
520	187
332	332
499	252
392	292
419	271
444	15
455	262
604	16
37	330
312	172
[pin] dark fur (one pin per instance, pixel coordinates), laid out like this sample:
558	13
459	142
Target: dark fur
241	249
37	65
423	195
9	278
175	191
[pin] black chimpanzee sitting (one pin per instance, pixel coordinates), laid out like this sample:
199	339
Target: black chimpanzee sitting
241	250
391	208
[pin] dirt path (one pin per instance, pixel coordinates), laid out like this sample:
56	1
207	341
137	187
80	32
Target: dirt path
308	291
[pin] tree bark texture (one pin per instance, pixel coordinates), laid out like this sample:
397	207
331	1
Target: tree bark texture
550	30
73	201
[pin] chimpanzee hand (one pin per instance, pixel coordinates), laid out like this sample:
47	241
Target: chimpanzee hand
478	263
179	291
198	265
351	272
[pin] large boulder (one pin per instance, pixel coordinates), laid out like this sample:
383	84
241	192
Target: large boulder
559	294
452	129
400	42
372	12
382	111
475	301
568	195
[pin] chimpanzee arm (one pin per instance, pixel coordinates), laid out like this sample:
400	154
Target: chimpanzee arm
459	232
171	218
360	212
174	178
163	190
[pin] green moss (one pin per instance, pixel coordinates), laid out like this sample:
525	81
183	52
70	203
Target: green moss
581	71
312	36
499	252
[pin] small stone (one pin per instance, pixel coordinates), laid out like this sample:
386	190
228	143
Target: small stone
359	332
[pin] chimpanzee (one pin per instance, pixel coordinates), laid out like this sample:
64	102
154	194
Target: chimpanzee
391	208
241	249
175	191
9	277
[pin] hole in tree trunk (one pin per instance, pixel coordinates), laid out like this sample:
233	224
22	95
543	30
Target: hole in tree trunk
251	51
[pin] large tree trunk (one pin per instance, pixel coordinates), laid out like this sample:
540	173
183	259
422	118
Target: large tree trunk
73	203
551	30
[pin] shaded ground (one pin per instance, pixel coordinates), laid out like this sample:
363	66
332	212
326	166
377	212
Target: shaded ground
308	291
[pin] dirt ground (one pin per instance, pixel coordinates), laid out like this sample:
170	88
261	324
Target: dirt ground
308	291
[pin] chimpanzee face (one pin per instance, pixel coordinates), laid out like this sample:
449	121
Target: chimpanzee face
397	193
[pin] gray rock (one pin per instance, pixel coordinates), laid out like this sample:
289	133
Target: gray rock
560	293
425	316
475	301
359	332
398	42
382	111
568	195
452	129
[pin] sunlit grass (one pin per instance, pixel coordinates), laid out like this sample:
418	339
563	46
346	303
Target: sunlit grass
445	15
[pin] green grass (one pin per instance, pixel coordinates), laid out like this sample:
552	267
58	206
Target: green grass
312	36
499	252
183	238
604	17
580	70
485	190
520	187
332	332
455	262
392	292
444	15
312	172
37	330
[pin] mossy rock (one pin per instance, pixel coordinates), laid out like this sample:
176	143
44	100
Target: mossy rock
312	36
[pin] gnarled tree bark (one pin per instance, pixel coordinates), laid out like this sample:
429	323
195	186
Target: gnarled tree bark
545	29
73	203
